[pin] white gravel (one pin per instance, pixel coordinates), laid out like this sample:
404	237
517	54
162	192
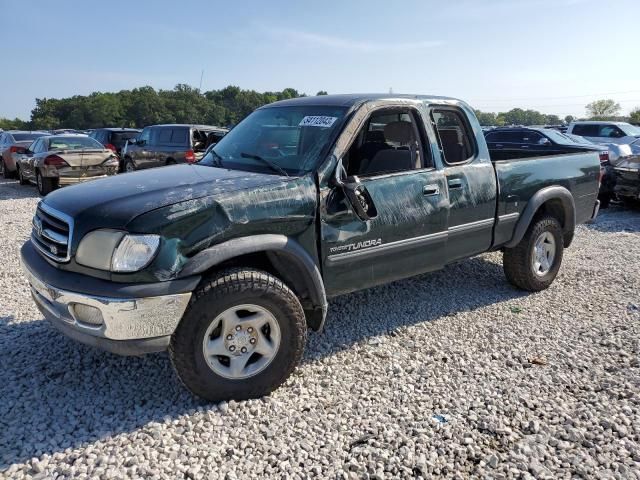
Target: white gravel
453	374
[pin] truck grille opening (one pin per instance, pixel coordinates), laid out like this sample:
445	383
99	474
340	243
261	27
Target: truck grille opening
50	234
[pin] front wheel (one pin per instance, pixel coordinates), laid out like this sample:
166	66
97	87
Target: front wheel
241	336
533	263
21	179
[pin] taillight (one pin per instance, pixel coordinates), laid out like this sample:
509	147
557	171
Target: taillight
55	161
16	149
190	156
604	157
111	147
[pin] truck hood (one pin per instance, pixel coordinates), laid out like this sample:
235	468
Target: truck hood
114	201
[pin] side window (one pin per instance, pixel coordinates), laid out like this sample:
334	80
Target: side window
610	131
145	135
531	138
588	130
164	136
455	135
180	136
388	143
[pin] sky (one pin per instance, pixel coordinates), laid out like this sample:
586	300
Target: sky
554	56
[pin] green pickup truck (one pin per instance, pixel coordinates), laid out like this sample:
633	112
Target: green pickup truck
228	262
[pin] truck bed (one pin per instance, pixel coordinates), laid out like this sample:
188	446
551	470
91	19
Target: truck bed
520	178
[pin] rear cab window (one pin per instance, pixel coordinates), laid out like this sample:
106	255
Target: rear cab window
454	135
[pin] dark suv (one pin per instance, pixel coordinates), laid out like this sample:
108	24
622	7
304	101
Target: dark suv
115	138
161	145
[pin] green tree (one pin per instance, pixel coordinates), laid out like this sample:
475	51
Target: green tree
321	92
603	109
486	118
634	116
15	124
569	119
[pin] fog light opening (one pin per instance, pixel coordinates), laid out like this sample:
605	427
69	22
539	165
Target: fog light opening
86	314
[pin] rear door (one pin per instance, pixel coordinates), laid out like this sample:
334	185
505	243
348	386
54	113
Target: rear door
390	156
470	181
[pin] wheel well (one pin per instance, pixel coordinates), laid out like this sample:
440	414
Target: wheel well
553	208
277	264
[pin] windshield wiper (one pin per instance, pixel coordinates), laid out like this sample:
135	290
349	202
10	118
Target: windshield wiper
274	166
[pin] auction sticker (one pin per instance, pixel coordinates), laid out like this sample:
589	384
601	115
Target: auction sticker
317	121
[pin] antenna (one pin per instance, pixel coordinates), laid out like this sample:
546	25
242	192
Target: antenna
201	75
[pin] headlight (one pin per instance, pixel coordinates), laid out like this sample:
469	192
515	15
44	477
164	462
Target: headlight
134	252
112	161
116	251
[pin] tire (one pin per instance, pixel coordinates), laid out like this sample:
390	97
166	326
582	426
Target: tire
519	262
209	377
21	179
6	174
129	166
605	200
171	161
45	185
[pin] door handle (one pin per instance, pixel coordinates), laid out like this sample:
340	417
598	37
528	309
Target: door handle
499	145
455	183
430	190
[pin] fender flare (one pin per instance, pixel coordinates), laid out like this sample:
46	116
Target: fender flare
539	198
289	249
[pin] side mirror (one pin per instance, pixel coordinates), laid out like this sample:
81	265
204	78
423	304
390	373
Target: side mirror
544	141
356	193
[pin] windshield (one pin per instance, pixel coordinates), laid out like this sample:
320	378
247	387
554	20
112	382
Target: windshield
21	137
629	129
557	137
73	143
278	140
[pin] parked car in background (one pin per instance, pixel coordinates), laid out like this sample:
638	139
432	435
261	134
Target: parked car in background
615	150
627	172
56	160
161	145
505	143
115	139
11	142
605	132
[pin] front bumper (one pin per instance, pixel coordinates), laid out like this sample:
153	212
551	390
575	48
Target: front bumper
124	325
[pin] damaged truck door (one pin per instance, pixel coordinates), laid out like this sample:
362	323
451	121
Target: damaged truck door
388	155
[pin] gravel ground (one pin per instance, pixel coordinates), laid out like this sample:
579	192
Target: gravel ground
453	374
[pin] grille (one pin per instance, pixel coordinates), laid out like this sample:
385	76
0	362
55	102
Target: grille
51	233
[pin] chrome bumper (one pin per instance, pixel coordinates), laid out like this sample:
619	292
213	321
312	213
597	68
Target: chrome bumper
121	318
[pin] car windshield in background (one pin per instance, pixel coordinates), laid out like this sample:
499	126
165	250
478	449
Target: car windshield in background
73	143
557	137
278	140
630	129
22	137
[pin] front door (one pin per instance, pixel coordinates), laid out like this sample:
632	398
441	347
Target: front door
408	235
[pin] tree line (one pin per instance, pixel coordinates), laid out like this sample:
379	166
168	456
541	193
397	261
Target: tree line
146	106
226	107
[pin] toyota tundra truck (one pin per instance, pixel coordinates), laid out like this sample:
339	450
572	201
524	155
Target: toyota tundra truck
228	263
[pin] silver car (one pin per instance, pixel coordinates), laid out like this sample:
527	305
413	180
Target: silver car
622	133
59	160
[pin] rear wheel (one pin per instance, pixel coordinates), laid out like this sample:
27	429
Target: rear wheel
45	185
3	169
241	336
171	161
21	179
533	264
129	166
